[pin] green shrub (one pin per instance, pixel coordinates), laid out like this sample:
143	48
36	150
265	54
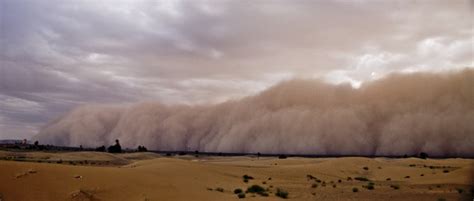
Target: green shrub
370	186
237	191
241	195
281	193
255	189
247	178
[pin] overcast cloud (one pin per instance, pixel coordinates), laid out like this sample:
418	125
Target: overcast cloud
55	55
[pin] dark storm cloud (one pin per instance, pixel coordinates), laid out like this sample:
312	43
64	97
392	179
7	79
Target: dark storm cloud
55	55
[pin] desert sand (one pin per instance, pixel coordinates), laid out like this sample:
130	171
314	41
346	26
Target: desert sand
41	176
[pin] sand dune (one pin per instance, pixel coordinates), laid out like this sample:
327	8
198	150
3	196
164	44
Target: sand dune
148	176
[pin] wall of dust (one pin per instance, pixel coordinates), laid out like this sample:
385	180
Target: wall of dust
396	115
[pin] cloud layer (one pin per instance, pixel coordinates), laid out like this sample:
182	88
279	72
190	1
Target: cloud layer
55	55
397	115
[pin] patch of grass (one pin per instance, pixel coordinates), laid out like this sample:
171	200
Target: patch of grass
241	195
355	190
282	193
238	190
361	179
246	180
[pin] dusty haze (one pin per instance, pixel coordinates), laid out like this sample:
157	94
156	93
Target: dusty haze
397	115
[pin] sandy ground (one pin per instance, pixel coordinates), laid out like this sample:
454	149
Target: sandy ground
86	176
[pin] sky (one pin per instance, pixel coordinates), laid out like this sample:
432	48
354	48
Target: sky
57	55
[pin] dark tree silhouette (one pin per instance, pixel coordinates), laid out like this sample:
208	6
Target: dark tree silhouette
115	148
101	148
142	149
423	155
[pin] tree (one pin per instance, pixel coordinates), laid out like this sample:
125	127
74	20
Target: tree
423	155
101	148
142	149
115	148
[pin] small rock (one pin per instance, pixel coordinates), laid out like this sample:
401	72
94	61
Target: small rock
20	175
78	176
